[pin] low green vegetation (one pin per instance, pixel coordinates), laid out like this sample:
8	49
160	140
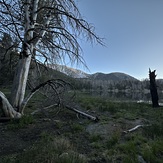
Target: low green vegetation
113	140
25	121
77	128
65	137
145	143
49	149
95	138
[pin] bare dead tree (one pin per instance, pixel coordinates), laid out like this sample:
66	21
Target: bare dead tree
47	30
153	88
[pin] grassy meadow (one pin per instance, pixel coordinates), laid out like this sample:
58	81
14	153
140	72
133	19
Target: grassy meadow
59	135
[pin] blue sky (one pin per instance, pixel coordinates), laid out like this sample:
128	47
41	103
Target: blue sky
133	32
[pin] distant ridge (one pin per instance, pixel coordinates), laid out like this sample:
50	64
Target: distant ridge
72	72
114	76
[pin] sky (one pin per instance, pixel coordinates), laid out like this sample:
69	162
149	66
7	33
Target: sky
133	36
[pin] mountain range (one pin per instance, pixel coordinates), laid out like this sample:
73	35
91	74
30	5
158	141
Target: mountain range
115	76
75	73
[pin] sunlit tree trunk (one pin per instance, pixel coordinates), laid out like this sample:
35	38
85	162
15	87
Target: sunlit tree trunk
20	81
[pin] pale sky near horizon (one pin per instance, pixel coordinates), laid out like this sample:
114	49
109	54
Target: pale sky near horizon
133	32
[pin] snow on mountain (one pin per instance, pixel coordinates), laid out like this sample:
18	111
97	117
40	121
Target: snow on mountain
74	73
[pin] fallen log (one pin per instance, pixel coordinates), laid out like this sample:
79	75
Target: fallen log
70	108
133	129
96	119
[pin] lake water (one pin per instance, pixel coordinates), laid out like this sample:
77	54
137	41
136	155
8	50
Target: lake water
127	96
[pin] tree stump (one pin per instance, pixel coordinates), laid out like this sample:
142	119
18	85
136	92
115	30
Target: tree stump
153	88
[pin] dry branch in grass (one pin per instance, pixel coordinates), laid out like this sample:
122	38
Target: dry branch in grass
96	119
54	84
134	128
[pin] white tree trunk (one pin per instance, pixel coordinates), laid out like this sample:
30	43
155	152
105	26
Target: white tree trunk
17	103
20	81
21	75
7	108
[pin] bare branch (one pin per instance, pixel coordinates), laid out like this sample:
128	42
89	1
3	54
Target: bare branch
54	84
11	15
47	29
82	113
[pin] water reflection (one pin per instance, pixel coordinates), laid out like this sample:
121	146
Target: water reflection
126	96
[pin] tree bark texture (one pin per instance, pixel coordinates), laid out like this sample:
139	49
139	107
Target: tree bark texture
21	75
153	88
20	81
